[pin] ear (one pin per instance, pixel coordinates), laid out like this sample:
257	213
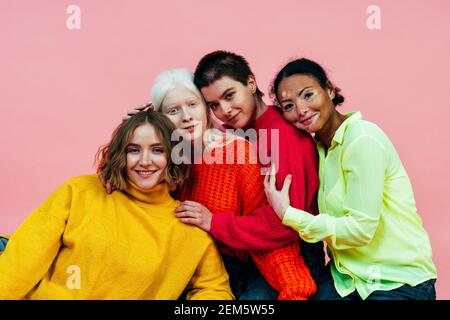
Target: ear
251	83
331	91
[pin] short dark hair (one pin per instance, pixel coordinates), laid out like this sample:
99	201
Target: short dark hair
220	63
306	67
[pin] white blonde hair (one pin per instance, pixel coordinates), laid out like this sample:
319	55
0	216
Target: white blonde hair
175	78
169	80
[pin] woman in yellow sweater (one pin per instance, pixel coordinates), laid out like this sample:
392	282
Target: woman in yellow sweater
82	244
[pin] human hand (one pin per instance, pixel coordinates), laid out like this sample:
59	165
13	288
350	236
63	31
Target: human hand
106	183
194	213
145	107
278	200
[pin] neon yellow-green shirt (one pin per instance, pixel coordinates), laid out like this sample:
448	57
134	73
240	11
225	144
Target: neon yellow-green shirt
368	215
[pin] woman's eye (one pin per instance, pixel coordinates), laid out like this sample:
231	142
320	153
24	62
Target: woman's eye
172	111
213	106
133	150
288	107
229	96
158	150
308	95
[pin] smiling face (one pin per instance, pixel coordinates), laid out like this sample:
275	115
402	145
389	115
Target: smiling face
231	101
146	157
304	103
187	111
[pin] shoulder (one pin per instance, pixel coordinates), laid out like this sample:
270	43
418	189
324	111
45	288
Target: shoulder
83	184
366	140
194	235
234	150
295	142
361	131
288	134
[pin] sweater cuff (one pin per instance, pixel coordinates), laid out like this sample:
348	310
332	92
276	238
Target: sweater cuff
217	225
293	217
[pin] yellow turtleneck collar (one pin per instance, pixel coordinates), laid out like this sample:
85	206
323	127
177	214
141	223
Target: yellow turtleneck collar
158	195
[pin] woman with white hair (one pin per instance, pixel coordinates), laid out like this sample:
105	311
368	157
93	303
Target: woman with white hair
227	186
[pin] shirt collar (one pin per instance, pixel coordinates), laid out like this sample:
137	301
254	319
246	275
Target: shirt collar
340	132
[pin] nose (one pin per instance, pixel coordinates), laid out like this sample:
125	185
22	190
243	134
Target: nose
186	116
302	108
226	108
146	159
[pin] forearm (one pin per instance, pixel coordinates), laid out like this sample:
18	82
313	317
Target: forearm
261	230
348	231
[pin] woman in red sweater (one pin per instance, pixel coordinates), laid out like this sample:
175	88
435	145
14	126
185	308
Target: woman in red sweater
231	92
226	176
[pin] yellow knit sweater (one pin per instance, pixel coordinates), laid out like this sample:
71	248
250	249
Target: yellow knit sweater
84	244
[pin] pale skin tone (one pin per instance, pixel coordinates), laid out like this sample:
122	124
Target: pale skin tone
307	106
234	103
146	158
187	112
237	106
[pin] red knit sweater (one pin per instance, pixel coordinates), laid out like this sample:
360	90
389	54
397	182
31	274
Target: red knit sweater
239	188
297	156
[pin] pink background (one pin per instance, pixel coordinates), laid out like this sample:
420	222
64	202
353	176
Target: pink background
63	91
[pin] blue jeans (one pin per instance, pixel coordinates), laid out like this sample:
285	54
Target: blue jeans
246	282
423	291
3	242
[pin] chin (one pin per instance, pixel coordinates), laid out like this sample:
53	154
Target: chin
197	134
146	184
301	127
239	125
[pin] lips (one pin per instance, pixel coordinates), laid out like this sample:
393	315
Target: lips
191	128
145	173
234	118
307	120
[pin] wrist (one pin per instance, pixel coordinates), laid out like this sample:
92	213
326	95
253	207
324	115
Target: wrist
283	212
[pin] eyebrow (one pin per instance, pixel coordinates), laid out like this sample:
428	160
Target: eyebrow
301	91
171	106
138	145
226	92
221	96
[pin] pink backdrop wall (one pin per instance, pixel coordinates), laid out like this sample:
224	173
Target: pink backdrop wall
63	91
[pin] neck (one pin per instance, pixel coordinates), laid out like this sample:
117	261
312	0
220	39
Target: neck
197	147
326	134
261	107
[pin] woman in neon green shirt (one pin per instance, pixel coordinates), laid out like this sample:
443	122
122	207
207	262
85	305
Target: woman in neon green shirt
368	217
